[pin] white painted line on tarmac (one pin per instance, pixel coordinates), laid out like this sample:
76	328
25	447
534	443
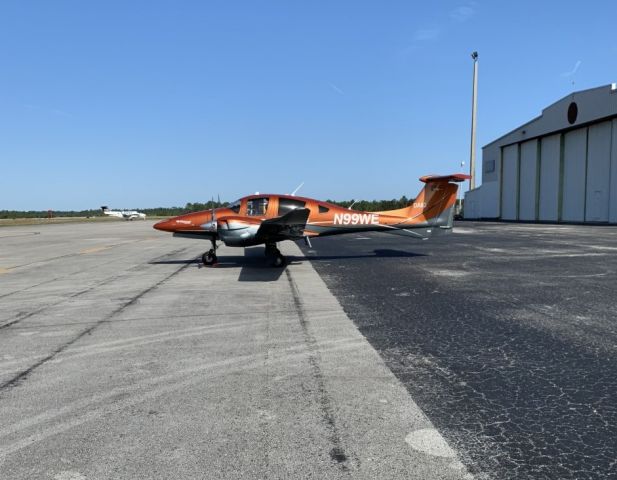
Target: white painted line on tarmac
429	441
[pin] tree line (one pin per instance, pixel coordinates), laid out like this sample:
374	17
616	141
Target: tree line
365	205
373	205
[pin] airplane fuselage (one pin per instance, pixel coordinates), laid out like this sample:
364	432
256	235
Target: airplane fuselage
126	214
238	225
270	218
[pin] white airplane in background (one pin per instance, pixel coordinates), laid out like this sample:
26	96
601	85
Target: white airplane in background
126	214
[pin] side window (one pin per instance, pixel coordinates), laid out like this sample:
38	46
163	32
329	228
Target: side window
323	209
257	206
286	205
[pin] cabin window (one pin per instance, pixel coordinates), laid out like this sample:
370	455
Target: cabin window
323	209
286	205
257	206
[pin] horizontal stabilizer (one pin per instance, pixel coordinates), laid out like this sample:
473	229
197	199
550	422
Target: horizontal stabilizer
455	177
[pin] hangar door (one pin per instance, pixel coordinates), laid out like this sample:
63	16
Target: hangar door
528	180
509	185
550	150
598	167
574	166
613	196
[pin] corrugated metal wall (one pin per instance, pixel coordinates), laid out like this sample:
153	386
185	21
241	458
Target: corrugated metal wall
550	151
528	180
574	160
612	209
569	177
509	187
598	172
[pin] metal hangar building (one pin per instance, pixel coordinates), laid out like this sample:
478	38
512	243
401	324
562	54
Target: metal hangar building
559	167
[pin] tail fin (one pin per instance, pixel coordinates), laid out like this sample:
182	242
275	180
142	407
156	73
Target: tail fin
432	212
437	201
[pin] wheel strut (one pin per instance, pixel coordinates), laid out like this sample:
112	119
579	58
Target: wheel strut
209	258
274	255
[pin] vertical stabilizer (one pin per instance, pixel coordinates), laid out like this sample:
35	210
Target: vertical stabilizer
438	199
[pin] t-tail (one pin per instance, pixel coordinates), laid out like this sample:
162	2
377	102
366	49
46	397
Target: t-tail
432	212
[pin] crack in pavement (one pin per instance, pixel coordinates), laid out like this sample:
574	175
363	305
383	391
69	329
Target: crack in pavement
24	315
337	452
21	376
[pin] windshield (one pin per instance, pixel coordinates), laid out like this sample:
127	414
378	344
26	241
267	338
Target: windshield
235	206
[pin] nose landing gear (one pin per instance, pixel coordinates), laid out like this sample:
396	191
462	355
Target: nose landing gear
209	258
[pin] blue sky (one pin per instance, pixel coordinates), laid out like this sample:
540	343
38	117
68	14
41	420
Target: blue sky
159	103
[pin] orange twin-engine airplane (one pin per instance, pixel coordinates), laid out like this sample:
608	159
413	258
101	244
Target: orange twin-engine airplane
268	219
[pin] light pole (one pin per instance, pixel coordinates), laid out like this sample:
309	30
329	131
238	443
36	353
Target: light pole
474	101
459	200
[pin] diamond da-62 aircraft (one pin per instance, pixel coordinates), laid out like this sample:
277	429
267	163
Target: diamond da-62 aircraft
271	218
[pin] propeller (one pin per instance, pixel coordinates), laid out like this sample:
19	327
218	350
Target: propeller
211	225
213	221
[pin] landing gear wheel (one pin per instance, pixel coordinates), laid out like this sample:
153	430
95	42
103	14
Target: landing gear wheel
274	256
209	258
278	260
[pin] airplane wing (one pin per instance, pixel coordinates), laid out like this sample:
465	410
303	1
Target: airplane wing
288	226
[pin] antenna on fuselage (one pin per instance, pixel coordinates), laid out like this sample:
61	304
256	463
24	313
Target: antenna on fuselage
352	204
296	190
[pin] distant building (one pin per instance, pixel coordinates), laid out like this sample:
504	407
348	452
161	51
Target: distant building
559	167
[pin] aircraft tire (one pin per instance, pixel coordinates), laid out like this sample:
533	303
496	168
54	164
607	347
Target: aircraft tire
278	260
209	258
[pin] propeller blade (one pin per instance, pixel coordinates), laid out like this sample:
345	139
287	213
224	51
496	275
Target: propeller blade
213	223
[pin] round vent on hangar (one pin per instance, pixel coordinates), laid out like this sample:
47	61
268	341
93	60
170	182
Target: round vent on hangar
572	112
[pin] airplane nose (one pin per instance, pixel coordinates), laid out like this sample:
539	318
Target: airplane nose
164	225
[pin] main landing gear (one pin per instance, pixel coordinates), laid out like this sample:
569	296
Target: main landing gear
209	258
274	256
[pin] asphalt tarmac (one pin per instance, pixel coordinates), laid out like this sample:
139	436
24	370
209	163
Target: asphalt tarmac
122	358
505	335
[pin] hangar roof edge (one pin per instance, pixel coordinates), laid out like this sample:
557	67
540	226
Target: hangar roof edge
554	118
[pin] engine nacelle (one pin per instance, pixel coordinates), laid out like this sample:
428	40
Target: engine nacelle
238	231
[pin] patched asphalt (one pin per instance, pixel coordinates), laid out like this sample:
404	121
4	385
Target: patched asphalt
504	334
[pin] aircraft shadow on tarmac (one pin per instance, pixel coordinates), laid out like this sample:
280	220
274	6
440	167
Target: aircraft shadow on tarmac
253	265
377	253
256	269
